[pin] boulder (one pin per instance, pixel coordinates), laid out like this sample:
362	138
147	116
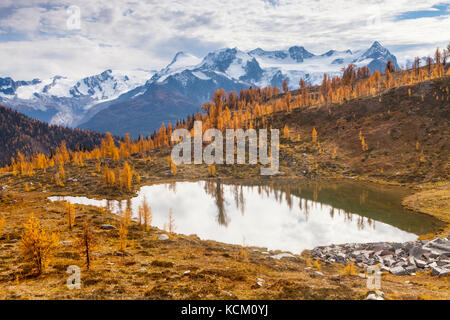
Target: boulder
282	255
420	263
107	227
416	251
373	296
385	253
444	272
410	269
441	263
163	237
388	262
398	271
435	271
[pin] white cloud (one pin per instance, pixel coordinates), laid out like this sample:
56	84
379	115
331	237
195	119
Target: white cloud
146	34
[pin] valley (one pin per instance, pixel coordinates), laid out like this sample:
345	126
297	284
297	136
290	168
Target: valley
391	133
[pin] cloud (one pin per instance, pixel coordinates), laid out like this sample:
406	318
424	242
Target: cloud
134	34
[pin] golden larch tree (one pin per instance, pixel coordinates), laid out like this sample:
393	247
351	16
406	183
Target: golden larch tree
37	244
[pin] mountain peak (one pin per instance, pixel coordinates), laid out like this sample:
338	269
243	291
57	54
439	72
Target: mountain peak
183	59
220	59
299	53
376	44
376	51
177	56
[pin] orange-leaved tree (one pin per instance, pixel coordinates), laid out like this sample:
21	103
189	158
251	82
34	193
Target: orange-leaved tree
38	244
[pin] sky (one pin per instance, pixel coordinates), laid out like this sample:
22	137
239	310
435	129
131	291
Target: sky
41	39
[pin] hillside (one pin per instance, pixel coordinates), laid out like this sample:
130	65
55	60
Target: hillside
406	131
68	101
29	136
137	117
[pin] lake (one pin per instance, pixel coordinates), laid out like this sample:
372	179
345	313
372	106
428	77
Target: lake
289	216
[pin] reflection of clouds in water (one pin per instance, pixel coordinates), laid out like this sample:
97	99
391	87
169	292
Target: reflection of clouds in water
274	219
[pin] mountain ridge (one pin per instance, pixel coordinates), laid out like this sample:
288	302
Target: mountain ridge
82	103
230	69
30	136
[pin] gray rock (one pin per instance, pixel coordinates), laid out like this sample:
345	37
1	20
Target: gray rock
163	237
435	254
385	253
420	263
341	258
386	269
435	271
398	258
281	256
108	227
388	262
398	271
410	269
444	272
441	263
416	251
373	296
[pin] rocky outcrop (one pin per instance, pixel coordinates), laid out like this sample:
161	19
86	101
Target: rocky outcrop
396	258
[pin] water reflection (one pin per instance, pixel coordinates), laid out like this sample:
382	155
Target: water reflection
286	216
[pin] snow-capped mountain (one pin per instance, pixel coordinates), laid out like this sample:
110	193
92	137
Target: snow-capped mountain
263	68
64	101
139	101
179	89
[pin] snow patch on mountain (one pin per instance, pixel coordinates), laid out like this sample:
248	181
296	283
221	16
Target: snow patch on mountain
70	102
269	68
69	99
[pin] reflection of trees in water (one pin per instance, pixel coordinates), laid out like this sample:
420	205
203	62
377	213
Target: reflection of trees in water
120	207
306	210
363	222
109	205
360	223
363	196
289	198
242	199
348	216
238	193
282	193
172	186
216	191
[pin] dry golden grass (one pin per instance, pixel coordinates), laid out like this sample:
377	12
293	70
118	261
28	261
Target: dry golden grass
152	269
434	199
